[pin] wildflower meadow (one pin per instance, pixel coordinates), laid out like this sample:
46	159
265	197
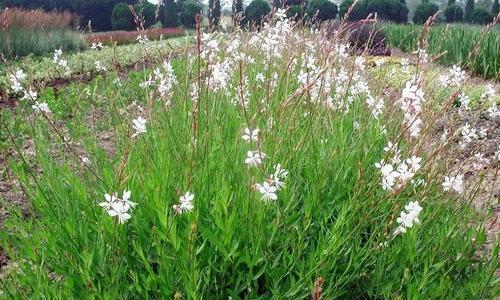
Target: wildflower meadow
273	163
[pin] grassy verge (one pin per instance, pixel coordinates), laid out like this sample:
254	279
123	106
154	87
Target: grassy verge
453	44
295	209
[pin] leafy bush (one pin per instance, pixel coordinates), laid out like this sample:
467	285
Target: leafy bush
322	10
424	11
481	16
190	9
122	18
256	11
389	10
454	13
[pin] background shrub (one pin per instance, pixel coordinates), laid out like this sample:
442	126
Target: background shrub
322	10
481	16
122	18
256	11
454	13
424	11
344	7
189	10
389	10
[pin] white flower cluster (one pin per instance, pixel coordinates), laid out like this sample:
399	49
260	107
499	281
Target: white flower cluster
411	103
139	126
17	86
119	208
455	183
165	81
470	134
409	217
61	63
489	96
99	67
185	203
456	77
273	184
96	46
398	172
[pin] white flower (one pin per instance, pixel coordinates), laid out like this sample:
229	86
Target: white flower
268	191
30	95
120	211
110	199
405	64
99	67
409	217
455	183
489	91
414	163
96	46
85	160
277	178
260	77
185	203
139	126
251	135
16	80
41	107
254	158
117	207
142	39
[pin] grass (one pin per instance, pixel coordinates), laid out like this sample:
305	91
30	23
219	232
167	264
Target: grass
20	42
329	233
453	44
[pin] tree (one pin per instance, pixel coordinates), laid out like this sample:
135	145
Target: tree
344	7
295	12
96	12
495	8
469	7
424	11
122	18
322	10
256	11
453	13
214	13
190	9
148	11
237	11
481	16
169	14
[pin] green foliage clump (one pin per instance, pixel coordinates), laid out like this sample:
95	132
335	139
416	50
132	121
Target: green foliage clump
122	18
454	13
190	9
389	10
322	10
481	16
424	11
256	11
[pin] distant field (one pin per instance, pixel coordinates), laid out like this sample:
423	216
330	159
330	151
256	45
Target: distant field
454	44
